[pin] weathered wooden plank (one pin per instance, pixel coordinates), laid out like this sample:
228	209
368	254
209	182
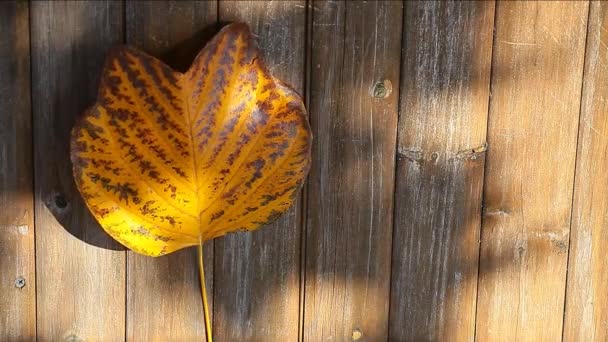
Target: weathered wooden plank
586	296
17	263
81	287
441	144
163	294
356	49
257	277
537	71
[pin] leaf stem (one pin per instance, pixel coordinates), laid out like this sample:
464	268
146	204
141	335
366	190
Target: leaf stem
201	271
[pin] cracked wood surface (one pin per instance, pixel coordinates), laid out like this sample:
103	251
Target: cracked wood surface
354	46
532	138
442	128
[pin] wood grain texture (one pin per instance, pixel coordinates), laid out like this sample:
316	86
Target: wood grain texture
355	45
537	72
441	143
322	272
586	317
256	281
80	270
17	259
163	294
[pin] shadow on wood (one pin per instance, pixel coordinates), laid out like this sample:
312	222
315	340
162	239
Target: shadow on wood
346	172
64	200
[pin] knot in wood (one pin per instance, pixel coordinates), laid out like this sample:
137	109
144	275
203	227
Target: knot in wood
382	89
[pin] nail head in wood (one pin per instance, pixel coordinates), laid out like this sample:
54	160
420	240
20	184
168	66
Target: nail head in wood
20	282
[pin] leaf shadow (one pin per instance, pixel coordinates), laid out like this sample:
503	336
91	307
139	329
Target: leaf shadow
71	66
181	55
60	197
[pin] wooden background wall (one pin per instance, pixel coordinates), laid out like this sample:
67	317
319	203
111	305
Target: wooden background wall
469	203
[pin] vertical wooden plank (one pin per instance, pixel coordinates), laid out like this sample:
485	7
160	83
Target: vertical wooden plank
257	274
441	156
163	294
17	263
80	275
534	112
587	297
355	48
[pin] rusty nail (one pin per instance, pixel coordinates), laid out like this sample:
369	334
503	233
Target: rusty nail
434	156
20	282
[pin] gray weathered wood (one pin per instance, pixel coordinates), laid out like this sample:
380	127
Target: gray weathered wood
355	46
80	277
163	294
532	132
586	296
322	272
441	143
257	274
17	303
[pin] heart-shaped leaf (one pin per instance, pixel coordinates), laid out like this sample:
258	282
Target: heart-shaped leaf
165	160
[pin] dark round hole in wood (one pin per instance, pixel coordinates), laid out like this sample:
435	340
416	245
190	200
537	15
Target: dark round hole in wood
60	201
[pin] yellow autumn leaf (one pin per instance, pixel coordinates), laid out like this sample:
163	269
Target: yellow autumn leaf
163	159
